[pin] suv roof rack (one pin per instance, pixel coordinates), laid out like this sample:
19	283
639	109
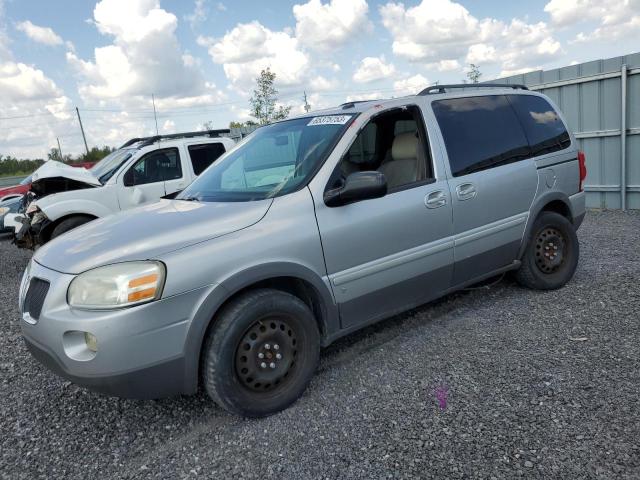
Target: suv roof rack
153	139
347	105
444	88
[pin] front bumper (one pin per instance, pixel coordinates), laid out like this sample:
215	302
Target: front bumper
141	350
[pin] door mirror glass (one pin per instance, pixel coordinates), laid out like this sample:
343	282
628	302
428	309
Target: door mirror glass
358	186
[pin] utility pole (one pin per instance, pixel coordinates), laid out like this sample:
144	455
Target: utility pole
59	149
153	100
82	130
307	107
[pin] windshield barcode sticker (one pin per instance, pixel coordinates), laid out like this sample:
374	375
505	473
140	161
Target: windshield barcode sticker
329	120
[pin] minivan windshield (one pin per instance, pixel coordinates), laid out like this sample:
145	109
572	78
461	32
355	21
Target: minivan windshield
105	168
274	160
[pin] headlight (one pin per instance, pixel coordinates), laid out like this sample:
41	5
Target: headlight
117	286
4	210
32	208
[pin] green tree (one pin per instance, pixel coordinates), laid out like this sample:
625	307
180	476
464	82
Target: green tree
263	101
474	73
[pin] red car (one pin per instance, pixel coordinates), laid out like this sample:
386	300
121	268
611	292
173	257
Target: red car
16	191
23	187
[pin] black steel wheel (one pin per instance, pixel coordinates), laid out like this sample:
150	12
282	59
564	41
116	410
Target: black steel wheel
260	353
550	246
552	253
266	354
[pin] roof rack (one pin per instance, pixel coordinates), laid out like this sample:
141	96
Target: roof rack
151	140
444	88
347	105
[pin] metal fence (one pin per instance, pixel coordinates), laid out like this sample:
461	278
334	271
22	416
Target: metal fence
601	102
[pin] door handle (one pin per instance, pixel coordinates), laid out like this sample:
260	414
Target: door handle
465	191
435	199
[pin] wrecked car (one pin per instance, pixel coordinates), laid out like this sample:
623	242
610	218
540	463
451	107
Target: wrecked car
143	170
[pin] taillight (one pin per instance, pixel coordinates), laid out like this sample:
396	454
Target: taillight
583	169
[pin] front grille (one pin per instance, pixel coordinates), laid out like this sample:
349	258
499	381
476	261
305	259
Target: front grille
34	299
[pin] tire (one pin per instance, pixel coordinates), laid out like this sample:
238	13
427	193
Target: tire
69	224
552	253
263	322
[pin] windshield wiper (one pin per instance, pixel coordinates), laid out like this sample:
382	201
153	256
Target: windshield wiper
189	199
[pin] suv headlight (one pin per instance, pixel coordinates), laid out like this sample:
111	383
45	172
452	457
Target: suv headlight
116	286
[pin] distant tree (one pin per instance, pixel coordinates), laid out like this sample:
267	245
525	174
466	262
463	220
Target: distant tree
54	154
95	155
248	123
263	101
474	73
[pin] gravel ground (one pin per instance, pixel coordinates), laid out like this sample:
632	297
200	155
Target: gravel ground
537	385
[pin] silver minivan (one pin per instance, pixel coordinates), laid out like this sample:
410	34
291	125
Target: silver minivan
309	229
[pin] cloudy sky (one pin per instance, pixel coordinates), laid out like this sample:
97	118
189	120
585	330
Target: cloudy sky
200	57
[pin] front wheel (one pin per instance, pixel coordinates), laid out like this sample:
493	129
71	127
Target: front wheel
69	224
552	253
261	353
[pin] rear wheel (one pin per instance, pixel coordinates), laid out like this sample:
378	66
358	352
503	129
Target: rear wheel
551	257
69	224
261	353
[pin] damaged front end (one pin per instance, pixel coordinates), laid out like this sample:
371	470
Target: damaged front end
33	227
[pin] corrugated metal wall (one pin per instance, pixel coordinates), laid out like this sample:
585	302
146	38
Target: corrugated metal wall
601	102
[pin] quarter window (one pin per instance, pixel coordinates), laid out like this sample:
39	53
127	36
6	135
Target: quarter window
204	155
542	125
480	133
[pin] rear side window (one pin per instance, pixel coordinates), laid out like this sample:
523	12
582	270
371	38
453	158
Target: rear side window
480	133
542	125
204	155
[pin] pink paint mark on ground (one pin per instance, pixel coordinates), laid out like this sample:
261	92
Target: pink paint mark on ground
441	393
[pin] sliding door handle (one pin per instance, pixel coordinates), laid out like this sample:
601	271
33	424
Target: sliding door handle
465	191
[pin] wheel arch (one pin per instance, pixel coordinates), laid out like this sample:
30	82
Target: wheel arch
557	202
292	278
45	233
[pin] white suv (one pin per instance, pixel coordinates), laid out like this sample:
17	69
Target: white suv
143	170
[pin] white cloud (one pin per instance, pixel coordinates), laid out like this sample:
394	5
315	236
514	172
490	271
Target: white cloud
221	7
250	47
433	30
20	82
372	69
442	33
169	126
326	26
44	35
445	65
145	56
616	20
320	83
411	85
358	97
199	13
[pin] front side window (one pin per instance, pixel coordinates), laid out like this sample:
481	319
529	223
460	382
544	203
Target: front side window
480	133
274	160
204	155
155	167
393	143
542	125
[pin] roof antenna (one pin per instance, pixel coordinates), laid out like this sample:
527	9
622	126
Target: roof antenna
153	100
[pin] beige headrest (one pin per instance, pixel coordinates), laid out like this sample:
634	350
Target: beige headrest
405	146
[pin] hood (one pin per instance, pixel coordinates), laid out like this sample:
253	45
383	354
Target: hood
147	232
53	169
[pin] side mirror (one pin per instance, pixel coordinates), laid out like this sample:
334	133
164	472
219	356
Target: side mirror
358	186
128	178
